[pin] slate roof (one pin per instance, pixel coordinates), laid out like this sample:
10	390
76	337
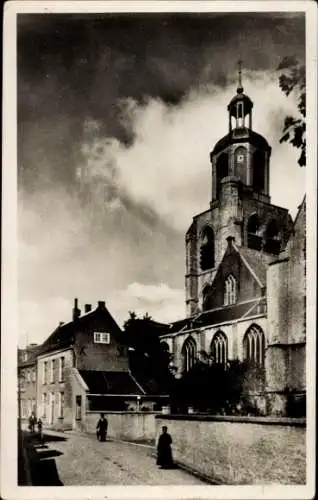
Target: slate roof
255	259
64	335
246	136
217	316
102	382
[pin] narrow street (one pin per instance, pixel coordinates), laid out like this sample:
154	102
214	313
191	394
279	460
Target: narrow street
82	460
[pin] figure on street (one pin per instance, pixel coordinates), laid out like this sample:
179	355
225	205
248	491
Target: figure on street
164	452
101	429
32	422
40	429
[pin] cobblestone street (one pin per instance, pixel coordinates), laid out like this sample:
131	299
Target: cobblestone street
82	460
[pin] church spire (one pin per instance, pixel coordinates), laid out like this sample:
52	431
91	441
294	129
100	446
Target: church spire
240	86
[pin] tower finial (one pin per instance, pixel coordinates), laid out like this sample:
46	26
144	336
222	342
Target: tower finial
240	86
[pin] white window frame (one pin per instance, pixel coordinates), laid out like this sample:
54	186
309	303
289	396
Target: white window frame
52	370
44	404
61	368
45	370
101	338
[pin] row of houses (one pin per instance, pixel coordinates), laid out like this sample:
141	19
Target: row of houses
82	366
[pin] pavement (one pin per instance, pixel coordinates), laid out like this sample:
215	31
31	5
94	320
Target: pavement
75	459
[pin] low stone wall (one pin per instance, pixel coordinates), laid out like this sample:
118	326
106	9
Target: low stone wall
239	450
130	426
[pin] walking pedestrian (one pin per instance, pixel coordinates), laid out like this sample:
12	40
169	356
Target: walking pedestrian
164	451
32	422
40	429
101	429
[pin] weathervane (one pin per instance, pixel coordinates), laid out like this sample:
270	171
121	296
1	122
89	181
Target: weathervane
240	86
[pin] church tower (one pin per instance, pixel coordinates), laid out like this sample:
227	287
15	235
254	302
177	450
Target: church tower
240	208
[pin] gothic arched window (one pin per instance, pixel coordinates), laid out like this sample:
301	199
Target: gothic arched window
254	346
222	170
230	292
219	348
207	257
253	239
240	159
259	170
272	237
189	352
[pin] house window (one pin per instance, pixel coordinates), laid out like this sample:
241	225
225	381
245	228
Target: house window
219	348
28	375
254	345
230	295
101	338
52	371
34	375
61	404
44	403
23	409
30	409
61	368
45	368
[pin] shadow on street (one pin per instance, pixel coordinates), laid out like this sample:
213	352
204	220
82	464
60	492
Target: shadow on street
36	464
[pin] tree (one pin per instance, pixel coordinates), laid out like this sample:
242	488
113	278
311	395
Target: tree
148	357
212	387
293	79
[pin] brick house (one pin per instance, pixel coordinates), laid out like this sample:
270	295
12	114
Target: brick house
27	374
84	365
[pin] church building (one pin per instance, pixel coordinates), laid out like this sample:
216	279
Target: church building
245	271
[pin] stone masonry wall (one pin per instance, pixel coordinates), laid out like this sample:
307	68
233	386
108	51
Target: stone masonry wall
240	451
130	426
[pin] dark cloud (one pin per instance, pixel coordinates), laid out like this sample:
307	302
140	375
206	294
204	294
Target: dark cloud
75	66
76	77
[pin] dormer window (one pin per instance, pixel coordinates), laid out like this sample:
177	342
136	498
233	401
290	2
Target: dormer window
230	292
101	338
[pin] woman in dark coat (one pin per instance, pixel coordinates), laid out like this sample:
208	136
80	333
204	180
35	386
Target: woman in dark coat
101	429
164	453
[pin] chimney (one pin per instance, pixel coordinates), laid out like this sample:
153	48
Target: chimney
101	304
87	308
76	310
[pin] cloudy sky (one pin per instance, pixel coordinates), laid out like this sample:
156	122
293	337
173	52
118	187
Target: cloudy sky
117	115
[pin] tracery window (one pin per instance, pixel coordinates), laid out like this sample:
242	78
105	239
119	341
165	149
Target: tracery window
254	240
272	238
219	348
189	352
254	345
230	290
207	249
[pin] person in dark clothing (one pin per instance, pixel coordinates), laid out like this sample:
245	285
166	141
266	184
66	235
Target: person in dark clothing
164	452
32	422
101	429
